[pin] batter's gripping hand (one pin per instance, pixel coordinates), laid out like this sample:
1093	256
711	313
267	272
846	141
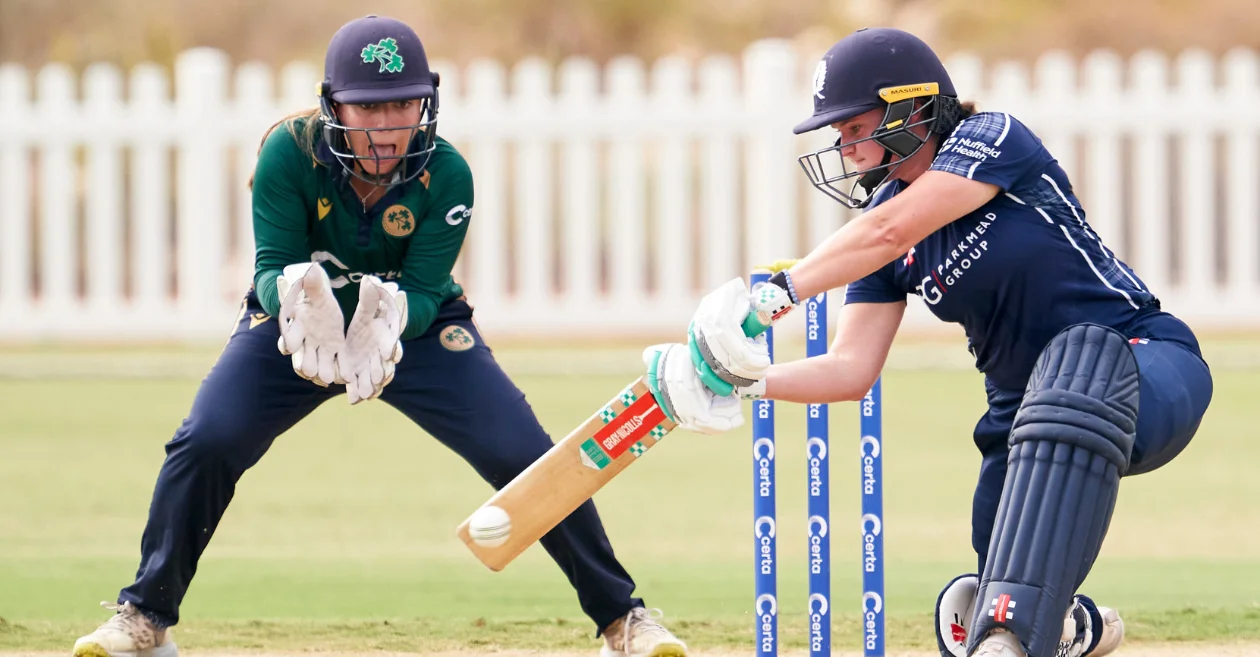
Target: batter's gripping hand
721	351
676	386
373	341
310	322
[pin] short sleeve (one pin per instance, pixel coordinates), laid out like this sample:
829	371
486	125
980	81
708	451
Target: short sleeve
991	147
877	287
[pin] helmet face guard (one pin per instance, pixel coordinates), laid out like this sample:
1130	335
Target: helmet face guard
409	164
829	171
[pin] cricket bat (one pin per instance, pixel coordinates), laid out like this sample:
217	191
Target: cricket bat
572	471
575	468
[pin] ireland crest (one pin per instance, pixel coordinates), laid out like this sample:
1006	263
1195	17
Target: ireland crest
384	52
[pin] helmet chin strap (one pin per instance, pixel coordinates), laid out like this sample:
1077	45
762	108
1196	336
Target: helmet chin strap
875	177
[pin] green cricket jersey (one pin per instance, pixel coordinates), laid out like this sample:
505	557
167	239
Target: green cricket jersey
305	209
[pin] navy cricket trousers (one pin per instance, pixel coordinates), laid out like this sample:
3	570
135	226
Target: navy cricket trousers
1175	389
252	395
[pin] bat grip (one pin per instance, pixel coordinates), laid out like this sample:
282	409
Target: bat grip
754	326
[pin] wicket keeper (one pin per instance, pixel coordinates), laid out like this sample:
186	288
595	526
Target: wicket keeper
360	210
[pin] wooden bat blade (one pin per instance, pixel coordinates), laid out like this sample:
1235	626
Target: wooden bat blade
572	471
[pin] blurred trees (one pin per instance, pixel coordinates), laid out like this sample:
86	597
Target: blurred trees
125	32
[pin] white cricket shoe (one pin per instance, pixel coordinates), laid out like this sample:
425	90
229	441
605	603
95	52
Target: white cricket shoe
1078	632
1112	632
1000	643
127	634
637	634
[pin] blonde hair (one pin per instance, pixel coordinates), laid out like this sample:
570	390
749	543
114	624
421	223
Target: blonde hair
305	138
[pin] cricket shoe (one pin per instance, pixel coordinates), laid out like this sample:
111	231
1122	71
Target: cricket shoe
127	634
1079	630
637	634
1000	642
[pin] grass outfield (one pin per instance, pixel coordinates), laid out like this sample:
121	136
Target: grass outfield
342	538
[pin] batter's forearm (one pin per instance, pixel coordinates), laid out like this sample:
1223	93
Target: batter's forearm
825	379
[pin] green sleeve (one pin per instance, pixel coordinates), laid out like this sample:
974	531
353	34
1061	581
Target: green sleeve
280	214
433	249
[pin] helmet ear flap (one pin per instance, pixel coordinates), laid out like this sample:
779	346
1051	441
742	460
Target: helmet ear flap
332	133
437	82
893	134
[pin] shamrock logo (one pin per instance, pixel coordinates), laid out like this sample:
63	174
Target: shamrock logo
401	219
398	221
455	338
384	52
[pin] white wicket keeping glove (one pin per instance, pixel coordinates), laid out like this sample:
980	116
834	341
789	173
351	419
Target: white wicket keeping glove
373	341
310	322
676	386
724	355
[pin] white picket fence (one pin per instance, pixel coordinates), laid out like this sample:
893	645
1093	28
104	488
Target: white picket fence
607	200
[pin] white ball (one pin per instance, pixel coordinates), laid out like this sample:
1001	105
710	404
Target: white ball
490	526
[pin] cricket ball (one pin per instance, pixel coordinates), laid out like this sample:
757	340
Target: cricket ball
490	526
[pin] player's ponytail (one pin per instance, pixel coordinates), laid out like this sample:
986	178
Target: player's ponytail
949	113
305	139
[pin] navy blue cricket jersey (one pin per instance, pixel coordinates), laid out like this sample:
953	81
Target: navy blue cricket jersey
1023	266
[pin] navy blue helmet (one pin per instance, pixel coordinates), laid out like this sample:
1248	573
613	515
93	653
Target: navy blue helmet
375	59
872	69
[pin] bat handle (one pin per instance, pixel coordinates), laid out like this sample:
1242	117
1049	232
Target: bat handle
756	323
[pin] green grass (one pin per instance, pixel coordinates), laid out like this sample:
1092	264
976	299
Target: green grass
343	536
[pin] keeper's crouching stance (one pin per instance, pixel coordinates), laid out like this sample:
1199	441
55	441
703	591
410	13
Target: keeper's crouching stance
360	211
